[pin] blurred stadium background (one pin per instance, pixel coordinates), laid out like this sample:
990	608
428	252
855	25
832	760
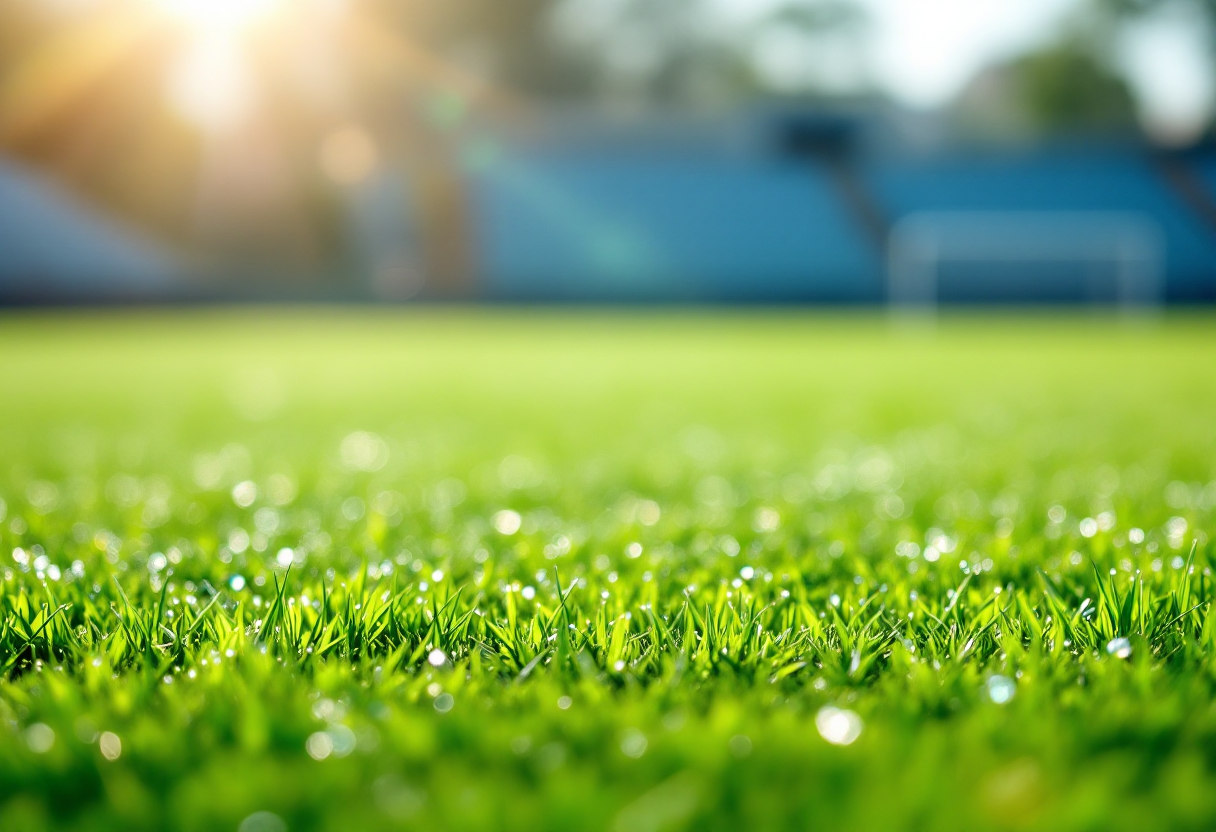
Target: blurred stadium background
769	151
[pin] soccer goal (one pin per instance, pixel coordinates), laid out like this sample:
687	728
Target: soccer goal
1100	258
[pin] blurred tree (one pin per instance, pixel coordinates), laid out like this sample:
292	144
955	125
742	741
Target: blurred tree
1069	85
1078	83
669	51
509	42
1060	89
1066	87
693	52
1204	10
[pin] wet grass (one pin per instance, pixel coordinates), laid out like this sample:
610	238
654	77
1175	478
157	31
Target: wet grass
309	570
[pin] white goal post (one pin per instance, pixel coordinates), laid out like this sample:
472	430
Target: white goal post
1127	247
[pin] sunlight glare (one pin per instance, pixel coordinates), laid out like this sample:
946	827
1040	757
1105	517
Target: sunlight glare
218	16
211	85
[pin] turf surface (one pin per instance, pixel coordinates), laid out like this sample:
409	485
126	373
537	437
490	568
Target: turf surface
547	571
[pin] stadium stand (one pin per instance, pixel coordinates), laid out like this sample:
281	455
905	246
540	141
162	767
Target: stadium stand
52	248
804	210
763	207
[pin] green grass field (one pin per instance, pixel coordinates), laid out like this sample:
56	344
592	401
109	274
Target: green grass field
310	570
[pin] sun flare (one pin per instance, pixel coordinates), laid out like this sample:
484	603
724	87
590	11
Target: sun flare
218	16
212	84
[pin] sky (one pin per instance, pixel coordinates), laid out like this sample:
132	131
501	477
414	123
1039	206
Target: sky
922	52
926	50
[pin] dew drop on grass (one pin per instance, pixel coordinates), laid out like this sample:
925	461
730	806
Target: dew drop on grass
236	583
507	522
837	725
740	745
40	738
1120	647
244	493
633	743
766	520
437	657
1001	688
86	731
238	540
342	739
263	822
319	745
110	745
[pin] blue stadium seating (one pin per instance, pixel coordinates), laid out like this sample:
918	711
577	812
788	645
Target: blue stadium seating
588	221
652	226
52	247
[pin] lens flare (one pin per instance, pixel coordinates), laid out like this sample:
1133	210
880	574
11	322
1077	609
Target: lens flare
218	16
212	84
